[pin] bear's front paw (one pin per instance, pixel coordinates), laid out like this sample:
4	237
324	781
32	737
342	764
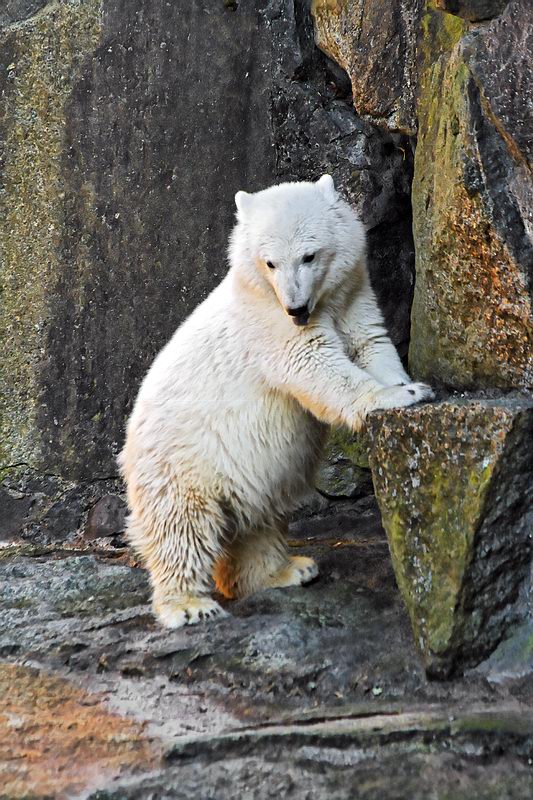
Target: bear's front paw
298	571
403	396
175	612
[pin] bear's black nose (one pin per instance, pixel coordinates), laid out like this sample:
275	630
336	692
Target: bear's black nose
301	311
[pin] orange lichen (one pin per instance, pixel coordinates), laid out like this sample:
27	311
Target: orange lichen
56	740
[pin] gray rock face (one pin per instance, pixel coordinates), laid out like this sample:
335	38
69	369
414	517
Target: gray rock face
162	111
344	471
106	517
18	10
473	10
376	44
48	510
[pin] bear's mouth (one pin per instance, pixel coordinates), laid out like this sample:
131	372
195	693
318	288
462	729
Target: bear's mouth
300	314
301	319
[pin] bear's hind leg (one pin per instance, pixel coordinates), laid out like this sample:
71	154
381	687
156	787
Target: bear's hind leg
179	552
260	560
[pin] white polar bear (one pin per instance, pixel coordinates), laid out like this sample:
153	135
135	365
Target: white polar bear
229	423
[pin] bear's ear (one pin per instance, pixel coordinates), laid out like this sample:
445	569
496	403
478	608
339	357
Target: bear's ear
327	187
243	201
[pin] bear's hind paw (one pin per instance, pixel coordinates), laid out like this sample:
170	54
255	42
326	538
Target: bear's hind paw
298	571
175	612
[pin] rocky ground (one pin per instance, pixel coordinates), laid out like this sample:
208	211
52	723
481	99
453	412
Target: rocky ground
307	692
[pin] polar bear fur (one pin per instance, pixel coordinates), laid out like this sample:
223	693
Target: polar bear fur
229	423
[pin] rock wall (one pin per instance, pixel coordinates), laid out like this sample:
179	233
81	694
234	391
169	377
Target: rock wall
127	128
465	90
472	205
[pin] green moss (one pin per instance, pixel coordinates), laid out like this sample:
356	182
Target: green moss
45	54
353	446
439	33
28	550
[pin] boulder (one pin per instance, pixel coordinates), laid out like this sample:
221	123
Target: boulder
454	482
471	322
106	517
375	42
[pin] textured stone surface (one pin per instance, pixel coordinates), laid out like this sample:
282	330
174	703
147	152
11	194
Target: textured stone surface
467	89
471	318
106	517
344	469
126	129
39	63
55	738
18	10
375	42
472	10
454	482
306	692
47	509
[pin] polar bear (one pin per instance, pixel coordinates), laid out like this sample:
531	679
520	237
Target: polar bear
229	423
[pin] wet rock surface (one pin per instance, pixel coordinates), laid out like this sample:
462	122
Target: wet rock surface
454	481
310	690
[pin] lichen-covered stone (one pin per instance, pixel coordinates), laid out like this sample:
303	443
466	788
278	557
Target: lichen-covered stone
471	322
454	482
40	61
375	42
18	10
467	89
343	471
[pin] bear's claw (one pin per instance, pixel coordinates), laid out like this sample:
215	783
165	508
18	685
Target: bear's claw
403	396
177	612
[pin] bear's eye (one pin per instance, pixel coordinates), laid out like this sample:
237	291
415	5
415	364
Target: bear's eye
308	258
270	265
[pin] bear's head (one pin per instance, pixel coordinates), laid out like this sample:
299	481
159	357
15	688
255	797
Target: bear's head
298	241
